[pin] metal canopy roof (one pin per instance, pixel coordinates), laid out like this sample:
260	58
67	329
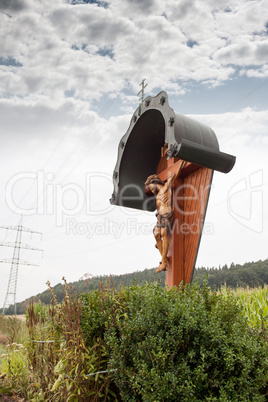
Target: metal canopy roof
153	124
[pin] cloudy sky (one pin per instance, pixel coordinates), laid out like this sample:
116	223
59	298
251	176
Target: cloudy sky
69	76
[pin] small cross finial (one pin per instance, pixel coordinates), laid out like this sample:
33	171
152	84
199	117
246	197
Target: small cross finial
142	90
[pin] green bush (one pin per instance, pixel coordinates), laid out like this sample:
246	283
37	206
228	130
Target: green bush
101	309
177	345
140	343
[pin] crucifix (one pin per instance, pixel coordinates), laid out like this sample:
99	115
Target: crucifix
166	163
181	190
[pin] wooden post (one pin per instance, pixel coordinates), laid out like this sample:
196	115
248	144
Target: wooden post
190	198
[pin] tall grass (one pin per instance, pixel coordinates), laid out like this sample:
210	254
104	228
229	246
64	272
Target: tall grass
12	330
2	351
13	334
55	364
254	303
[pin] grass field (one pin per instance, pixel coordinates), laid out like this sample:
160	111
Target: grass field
20	317
254	303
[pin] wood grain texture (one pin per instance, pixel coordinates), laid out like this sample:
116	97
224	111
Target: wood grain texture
190	199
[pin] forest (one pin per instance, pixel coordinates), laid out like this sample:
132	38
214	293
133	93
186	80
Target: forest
250	274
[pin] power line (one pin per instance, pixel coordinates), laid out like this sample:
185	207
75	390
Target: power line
177	11
70	161
15	262
23	229
246	96
22	245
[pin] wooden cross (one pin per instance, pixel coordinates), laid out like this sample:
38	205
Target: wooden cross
190	198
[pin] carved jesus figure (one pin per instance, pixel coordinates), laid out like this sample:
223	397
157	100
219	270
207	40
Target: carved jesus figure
165	215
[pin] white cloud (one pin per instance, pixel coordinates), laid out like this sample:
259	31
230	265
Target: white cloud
256	72
243	134
74	68
143	37
244	53
13	5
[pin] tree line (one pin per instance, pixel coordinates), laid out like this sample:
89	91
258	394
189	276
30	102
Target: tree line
251	274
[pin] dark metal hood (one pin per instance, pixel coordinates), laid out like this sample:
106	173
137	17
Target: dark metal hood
153	124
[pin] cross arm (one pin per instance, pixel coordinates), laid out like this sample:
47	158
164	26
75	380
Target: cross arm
173	168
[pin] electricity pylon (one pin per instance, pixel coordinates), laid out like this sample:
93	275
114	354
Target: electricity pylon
15	262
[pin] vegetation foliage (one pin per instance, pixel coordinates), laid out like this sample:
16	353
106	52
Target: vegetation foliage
55	364
12	330
143	343
254	304
190	344
250	274
253	274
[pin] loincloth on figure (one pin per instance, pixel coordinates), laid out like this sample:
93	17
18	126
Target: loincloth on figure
165	220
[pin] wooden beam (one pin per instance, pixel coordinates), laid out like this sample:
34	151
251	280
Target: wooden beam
172	167
190	197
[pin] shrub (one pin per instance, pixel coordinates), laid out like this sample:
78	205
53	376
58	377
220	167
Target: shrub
141	343
63	368
178	345
101	309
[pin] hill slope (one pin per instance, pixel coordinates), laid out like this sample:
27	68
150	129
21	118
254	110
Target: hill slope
252	274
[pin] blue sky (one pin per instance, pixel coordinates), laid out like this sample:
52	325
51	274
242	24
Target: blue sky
69	77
